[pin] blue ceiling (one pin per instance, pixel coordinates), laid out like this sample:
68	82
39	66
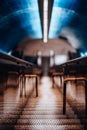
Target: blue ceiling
20	19
69	20
62	14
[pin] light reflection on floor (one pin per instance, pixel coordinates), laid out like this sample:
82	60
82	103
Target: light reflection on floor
46	105
47	95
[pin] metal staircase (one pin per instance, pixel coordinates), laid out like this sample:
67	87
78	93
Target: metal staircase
44	112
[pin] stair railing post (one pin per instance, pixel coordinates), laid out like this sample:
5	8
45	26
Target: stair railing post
86	97
36	86
64	98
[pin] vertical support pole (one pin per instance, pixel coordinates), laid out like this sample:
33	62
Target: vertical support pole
56	81
76	90
20	84
28	84
25	86
64	98
1	83
36	86
86	97
6	81
52	81
61	81
19	81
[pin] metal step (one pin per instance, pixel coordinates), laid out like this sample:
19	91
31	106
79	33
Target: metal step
49	127
44	112
43	116
45	121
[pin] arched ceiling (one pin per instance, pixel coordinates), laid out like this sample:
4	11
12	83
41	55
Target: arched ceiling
69	19
21	18
18	19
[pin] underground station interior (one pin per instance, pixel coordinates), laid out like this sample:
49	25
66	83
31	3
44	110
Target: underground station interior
43	65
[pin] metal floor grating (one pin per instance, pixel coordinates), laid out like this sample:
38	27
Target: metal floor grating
41	113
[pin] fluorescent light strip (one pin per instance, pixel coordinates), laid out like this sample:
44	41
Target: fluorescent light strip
45	21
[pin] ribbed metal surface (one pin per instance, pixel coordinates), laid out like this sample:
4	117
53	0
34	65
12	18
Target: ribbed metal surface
41	113
48	121
49	127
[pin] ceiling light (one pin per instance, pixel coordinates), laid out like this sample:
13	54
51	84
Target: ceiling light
45	21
